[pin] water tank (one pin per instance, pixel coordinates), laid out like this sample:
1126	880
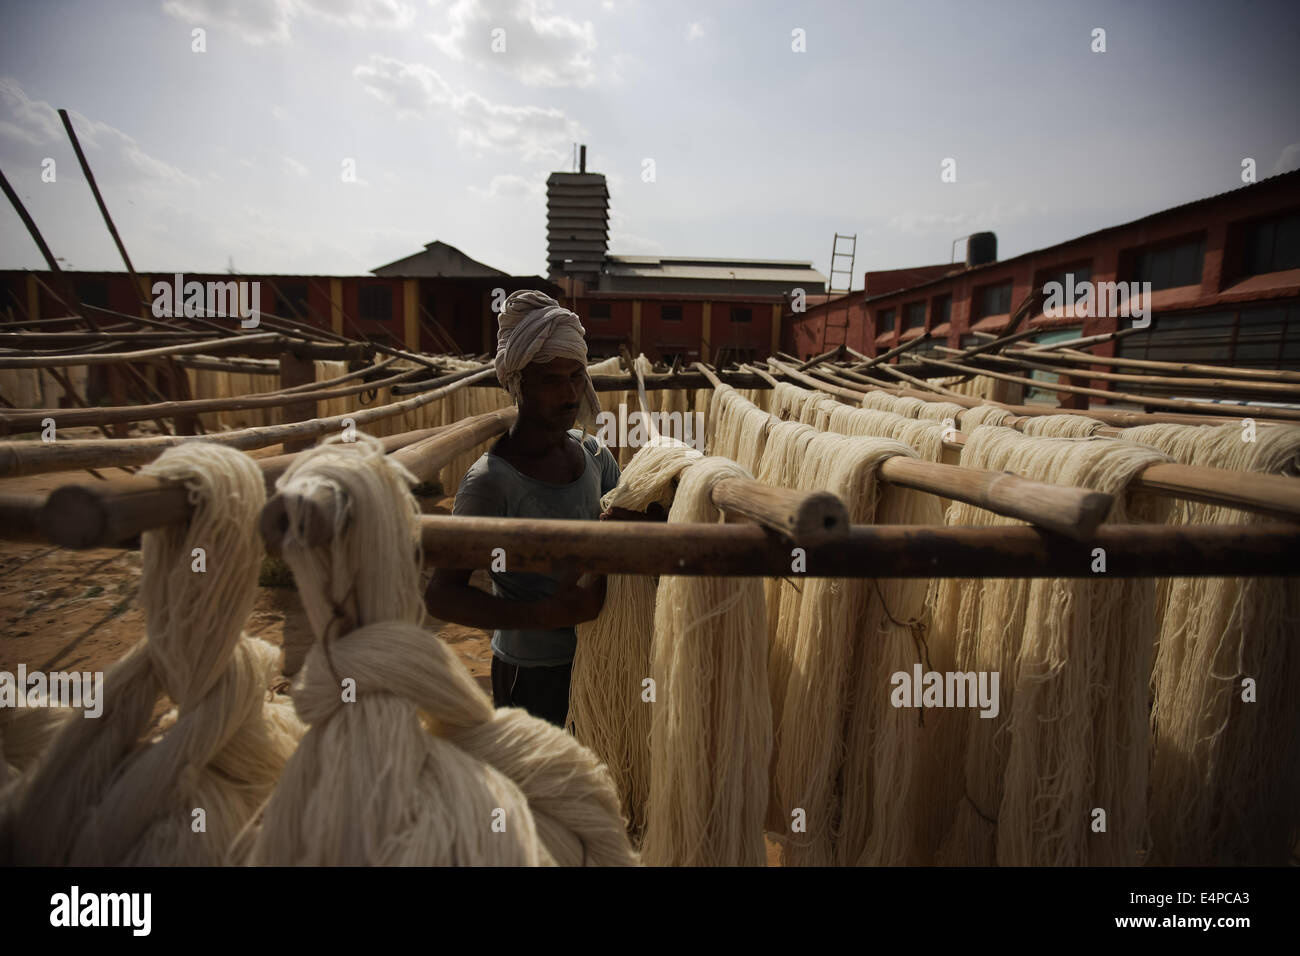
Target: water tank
981	248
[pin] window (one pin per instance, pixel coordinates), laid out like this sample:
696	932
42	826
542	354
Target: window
914	315
1071	278
599	311
93	294
942	310
1264	337
995	300
741	313
602	347
375	303
671	313
292	300
885	321
1273	246
1170	266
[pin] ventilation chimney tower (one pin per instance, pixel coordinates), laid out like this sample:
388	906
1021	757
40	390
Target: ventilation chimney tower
577	223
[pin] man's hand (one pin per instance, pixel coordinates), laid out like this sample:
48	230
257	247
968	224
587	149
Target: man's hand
581	598
653	513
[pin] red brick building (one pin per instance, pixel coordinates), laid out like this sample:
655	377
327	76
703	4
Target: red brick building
1224	274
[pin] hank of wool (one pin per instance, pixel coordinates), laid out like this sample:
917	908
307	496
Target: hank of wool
1061	426
985	415
1225	777
405	760
101	796
711	732
1074	658
607	709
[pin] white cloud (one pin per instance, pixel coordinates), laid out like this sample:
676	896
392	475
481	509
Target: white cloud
361	14
694	32
269	21
34	130
542	48
533	132
295	167
254	21
1287	160
511	186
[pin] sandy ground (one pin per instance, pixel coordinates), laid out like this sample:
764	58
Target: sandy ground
77	610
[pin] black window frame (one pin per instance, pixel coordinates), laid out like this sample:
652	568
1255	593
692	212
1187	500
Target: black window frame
368	299
983	294
1158	264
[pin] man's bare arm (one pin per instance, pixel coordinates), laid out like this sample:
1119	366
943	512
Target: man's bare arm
450	597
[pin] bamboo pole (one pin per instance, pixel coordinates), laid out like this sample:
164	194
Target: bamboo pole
1279	391
1277	496
1186	368
26	458
1086	341
35	233
896	350
40	361
22	420
106	515
887	551
825	356
1225	410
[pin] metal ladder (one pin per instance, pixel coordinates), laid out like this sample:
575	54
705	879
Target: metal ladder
841	311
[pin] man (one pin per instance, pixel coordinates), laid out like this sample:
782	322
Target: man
541	468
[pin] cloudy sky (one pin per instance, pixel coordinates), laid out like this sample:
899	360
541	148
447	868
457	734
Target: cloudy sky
759	149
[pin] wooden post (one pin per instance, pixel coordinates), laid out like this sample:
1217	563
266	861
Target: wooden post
706	331
296	371
636	326
886	551
117	394
776	327
336	306
411	314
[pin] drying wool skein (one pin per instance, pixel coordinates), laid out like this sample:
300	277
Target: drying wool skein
984	415
1074	658
607	711
711	732
101	796
842	639
405	760
1061	426
1225	776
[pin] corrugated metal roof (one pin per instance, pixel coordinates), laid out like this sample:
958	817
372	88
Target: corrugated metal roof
664	267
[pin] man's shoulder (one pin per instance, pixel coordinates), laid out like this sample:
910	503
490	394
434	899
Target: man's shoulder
592	445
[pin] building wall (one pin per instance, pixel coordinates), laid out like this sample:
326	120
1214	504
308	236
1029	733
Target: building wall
1223	222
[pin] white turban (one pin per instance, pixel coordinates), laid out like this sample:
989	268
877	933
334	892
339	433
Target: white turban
533	327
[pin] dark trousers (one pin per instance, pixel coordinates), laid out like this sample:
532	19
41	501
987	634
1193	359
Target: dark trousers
542	691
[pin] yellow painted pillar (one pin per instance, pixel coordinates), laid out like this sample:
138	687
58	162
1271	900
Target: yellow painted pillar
410	303
706	329
33	298
776	328
636	326
336	306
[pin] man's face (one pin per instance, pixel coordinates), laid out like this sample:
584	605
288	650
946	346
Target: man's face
550	392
